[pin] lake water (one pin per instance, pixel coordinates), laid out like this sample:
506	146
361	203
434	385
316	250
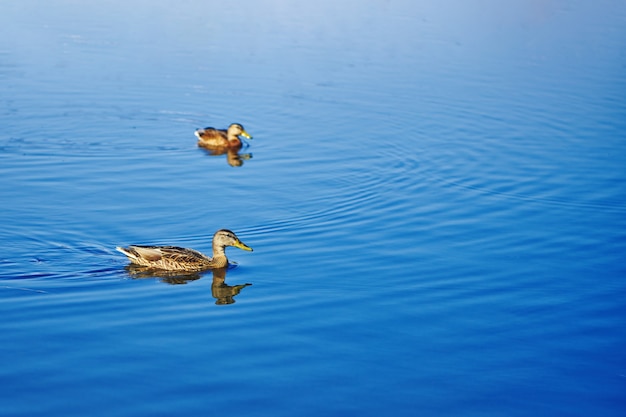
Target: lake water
435	194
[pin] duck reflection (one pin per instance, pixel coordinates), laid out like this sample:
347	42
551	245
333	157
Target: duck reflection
220	290
233	157
170	277
225	141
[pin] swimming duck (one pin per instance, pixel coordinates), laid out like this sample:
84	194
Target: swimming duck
210	137
174	258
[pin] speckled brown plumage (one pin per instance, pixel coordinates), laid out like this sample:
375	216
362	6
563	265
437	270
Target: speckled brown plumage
174	258
222	139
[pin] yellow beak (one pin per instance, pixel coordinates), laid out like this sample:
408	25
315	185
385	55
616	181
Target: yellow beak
239	244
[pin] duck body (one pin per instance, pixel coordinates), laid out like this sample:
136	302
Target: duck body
170	258
175	258
222	139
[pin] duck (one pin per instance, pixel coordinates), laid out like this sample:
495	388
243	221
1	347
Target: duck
212	138
174	258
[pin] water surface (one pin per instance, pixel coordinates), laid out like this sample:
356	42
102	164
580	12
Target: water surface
434	194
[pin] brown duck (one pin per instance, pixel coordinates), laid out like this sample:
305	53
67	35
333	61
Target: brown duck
174	258
221	139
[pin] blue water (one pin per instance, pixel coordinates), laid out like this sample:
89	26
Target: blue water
435	194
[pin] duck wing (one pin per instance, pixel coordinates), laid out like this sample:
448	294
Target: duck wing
210	133
170	254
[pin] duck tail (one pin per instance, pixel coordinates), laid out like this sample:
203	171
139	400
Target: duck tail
126	252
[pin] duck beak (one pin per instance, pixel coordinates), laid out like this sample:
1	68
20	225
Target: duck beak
239	244
246	134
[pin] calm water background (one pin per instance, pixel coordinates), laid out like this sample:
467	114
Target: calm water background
435	195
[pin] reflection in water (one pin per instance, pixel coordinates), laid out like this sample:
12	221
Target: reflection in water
233	157
171	277
220	290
